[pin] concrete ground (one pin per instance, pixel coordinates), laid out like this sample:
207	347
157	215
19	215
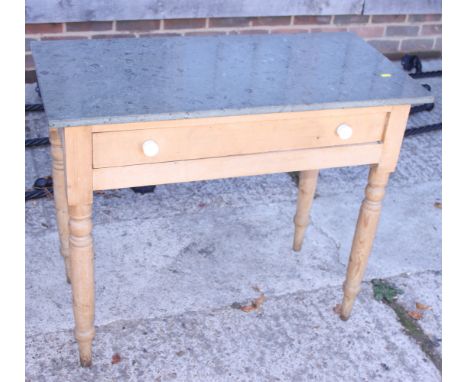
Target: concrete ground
173	266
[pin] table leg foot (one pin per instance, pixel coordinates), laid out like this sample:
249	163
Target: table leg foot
82	272
305	197
363	238
85	349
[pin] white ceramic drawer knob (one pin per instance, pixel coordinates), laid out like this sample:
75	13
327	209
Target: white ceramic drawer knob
150	148
344	131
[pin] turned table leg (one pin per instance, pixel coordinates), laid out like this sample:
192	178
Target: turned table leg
78	173
363	237
60	196
305	197
82	273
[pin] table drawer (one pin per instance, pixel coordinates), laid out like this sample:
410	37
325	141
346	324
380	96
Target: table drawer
233	137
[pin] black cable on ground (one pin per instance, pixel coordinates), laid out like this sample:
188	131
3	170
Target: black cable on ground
421	108
423	129
34	142
37	194
434	73
34	107
410	62
143	189
42	187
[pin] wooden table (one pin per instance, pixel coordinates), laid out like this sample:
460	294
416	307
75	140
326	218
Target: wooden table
134	112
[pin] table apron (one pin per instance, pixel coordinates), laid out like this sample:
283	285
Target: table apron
235	166
221	138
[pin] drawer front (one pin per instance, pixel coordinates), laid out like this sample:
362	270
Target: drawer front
234	137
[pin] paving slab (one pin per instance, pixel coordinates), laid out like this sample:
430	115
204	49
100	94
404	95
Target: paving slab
36	123
200	258
30	173
155	267
31	95
420	162
295	337
408	236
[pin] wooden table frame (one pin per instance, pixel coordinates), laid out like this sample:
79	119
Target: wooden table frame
75	178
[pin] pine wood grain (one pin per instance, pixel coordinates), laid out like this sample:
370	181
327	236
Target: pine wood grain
123	148
234	166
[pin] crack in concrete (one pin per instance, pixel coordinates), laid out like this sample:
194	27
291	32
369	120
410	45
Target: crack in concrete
335	242
413	330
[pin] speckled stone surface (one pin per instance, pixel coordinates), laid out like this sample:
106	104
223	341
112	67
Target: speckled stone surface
129	80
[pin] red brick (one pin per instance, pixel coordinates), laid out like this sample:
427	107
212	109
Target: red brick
30	76
308	20
205	33
385	46
416	45
422	18
89	26
29	62
271	21
289	30
402	30
351	19
138	25
388	19
368	31
44	28
328	29
431	29
101	36
226	22
184	23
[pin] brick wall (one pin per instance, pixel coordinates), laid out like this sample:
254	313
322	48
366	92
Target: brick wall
391	34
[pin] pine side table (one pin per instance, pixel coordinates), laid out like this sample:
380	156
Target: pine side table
134	112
